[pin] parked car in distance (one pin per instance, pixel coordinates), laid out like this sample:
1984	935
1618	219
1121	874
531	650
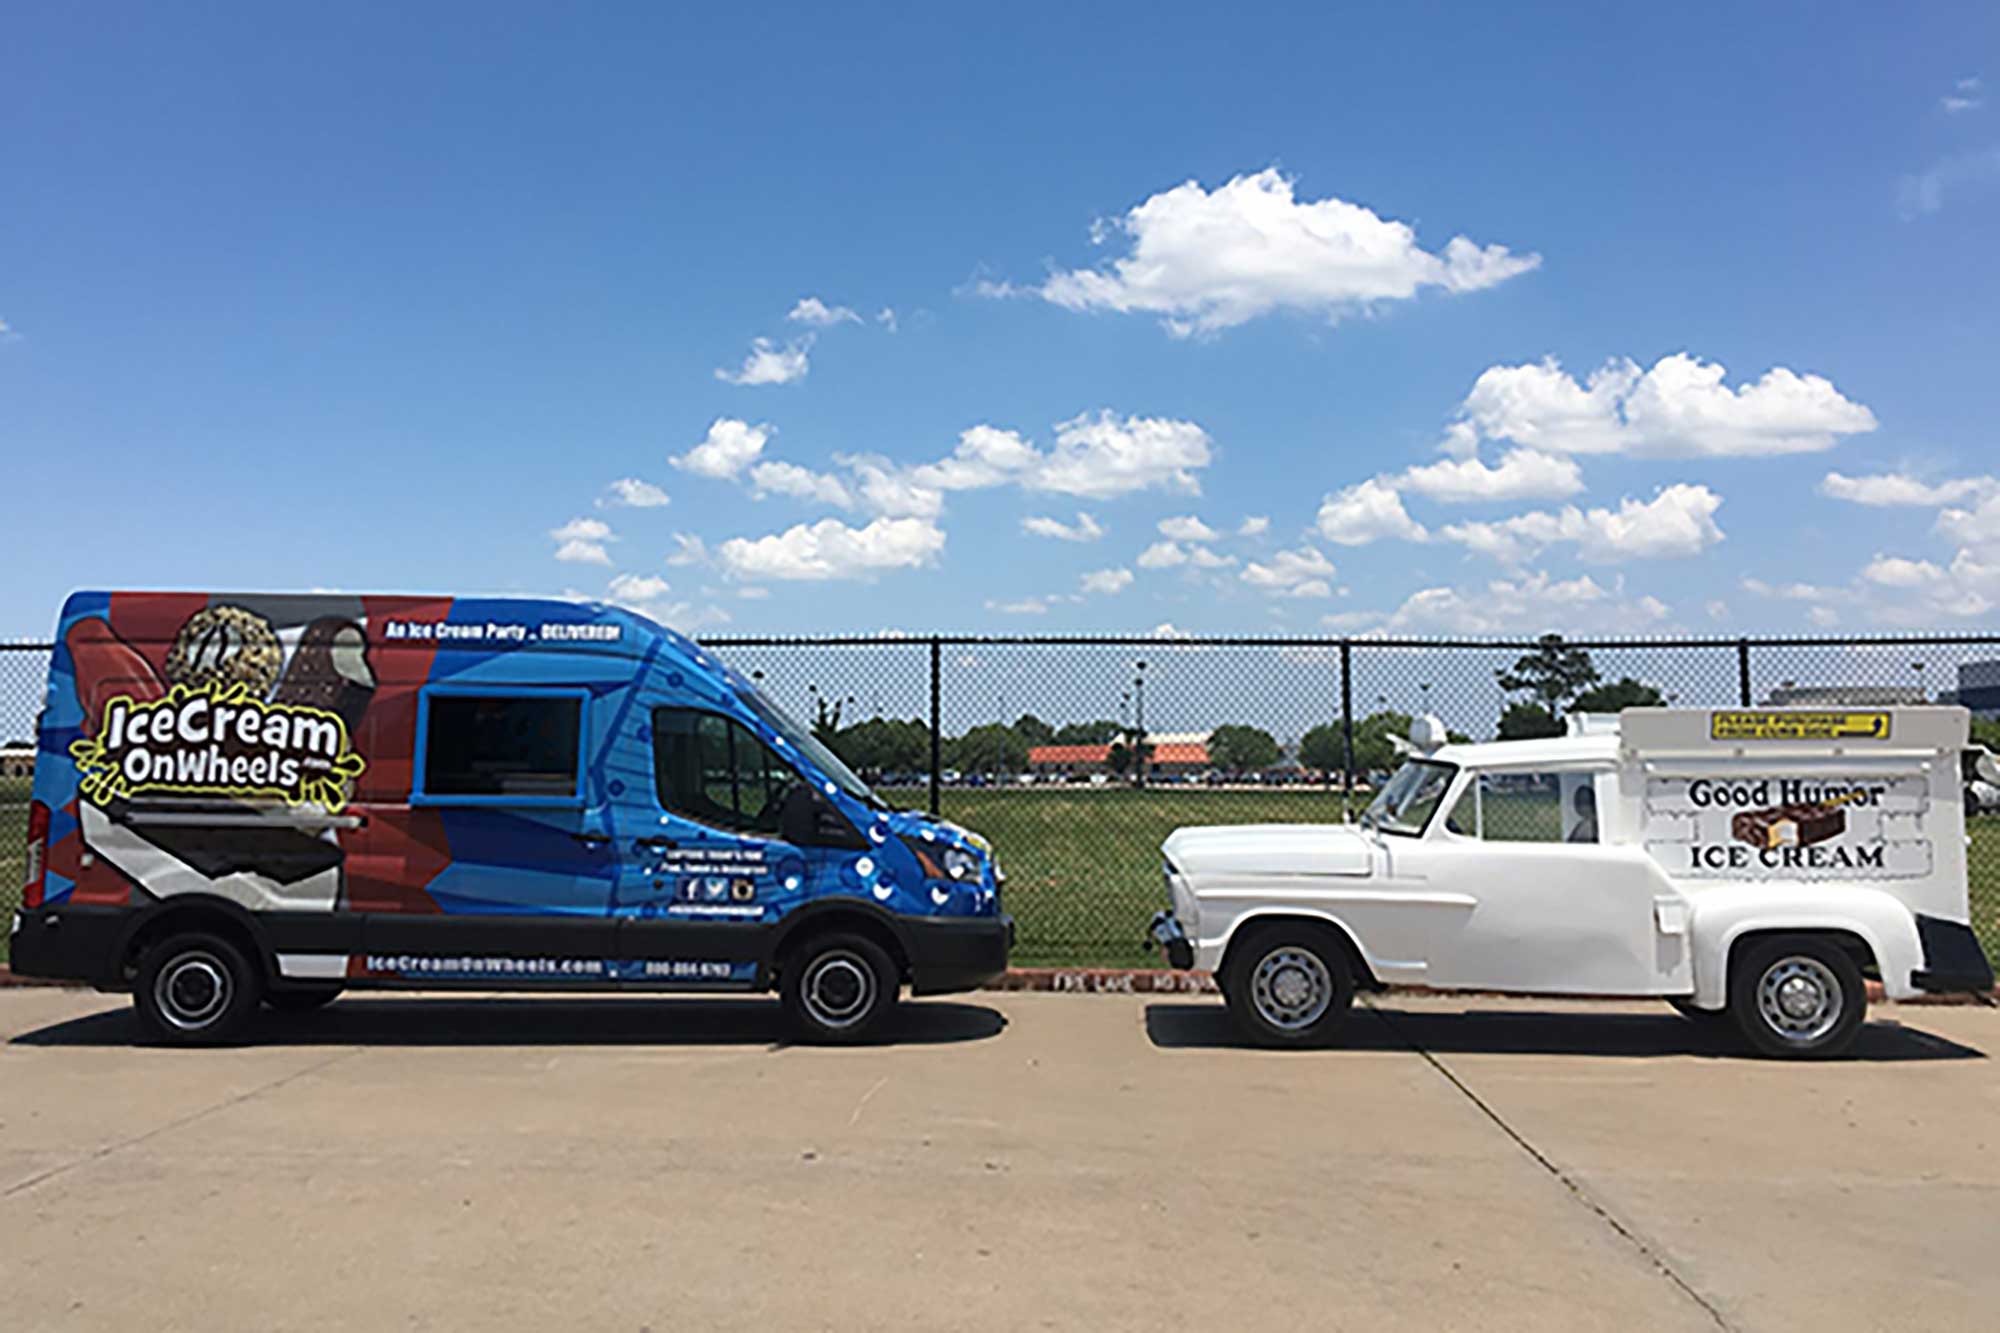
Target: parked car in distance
275	798
1748	866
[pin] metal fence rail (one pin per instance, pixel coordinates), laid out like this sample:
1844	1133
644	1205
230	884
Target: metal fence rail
1077	755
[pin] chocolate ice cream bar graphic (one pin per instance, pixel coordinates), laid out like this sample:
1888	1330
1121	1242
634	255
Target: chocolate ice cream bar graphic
329	670
1799	825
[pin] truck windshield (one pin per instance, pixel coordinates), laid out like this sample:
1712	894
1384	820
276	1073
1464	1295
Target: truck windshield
1409	799
807	744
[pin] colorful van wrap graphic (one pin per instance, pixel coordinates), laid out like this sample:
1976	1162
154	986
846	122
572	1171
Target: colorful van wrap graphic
269	750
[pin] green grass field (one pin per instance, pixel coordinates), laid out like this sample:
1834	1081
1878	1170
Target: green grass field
1083	864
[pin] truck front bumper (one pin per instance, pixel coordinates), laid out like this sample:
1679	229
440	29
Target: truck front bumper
1169	935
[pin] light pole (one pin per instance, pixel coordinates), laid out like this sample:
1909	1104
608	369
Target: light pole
1918	667
1139	723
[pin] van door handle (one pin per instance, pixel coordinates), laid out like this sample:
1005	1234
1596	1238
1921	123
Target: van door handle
592	839
657	845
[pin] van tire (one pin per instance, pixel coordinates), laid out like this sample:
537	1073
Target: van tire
1288	985
195	989
301	999
1797	997
838	988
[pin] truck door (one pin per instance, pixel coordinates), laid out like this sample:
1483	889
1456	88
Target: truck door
1561	906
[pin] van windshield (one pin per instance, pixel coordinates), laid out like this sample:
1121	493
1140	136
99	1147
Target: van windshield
807	744
1409	799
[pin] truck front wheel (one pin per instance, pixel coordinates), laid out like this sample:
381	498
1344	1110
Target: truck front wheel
1798	997
1288	985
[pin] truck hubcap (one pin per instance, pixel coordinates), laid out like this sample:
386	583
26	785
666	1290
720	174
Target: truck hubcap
192	990
1799	999
1291	988
839	989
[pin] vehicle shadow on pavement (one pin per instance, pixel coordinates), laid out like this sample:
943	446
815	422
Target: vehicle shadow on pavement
1526	1032
517	1021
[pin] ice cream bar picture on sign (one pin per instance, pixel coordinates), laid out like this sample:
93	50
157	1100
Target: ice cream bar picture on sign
1790	827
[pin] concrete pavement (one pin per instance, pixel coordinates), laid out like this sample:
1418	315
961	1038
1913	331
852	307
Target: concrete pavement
1015	1161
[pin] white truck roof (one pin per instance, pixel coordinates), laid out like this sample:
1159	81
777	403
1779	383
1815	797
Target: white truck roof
1729	734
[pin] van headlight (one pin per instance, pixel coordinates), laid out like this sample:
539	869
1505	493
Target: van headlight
961	865
945	862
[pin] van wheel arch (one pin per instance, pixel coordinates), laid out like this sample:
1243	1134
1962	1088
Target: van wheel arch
1357	965
178	916
838	918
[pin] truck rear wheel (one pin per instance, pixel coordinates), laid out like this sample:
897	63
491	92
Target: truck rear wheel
838	988
1797	997
195	990
1288	985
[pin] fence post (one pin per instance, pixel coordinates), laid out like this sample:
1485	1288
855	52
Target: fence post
1346	726
937	739
1743	672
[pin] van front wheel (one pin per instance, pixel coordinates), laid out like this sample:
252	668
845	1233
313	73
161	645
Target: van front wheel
1798	997
838	989
195	990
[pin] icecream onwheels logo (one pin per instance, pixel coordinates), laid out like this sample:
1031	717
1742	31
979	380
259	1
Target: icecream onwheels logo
217	739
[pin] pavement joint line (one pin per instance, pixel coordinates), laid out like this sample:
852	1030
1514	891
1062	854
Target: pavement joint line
1562	1177
100	1153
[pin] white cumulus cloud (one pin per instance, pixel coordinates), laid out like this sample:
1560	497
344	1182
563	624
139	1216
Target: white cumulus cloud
1161	555
780	478
1533	603
1107	580
1679	521
633	493
582	541
1085	529
1896	488
1186	528
768	363
1206	260
1304	572
1521	474
688	550
1681	408
830	549
1256	525
1367	511
818	314
728	448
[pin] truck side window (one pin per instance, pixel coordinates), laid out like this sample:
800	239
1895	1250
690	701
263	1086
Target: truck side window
715	771
1528	807
502	745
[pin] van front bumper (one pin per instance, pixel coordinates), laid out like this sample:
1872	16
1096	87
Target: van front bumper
950	954
64	943
1953	960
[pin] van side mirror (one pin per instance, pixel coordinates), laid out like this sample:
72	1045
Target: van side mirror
806	820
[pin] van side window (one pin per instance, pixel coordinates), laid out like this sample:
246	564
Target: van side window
715	771
1528	807
502	745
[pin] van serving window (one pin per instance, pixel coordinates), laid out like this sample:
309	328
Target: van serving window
502	745
715	771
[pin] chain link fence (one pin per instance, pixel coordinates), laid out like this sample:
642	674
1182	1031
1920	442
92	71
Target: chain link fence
1078	756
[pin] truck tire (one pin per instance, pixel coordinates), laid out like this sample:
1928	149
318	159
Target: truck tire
837	989
301	999
1797	997
1288	985
195	989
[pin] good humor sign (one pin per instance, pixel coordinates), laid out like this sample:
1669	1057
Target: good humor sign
1789	827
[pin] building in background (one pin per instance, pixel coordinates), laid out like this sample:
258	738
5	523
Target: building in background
1792	695
1979	688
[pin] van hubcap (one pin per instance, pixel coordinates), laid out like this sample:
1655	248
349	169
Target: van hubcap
192	990
839	989
1799	999
1291	988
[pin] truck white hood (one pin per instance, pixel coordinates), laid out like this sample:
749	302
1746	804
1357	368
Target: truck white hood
1228	850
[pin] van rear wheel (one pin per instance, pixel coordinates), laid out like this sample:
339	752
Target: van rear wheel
1797	997
837	989
195	990
1288	985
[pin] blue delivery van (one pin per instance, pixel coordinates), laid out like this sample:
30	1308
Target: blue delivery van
244	799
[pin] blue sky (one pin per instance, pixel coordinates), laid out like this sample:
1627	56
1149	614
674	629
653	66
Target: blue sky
358	298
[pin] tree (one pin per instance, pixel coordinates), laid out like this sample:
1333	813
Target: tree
1552	675
1033	730
1616	696
826	720
993	748
1373	749
1086	733
884	745
1524	720
1242	749
1986	732
1324	751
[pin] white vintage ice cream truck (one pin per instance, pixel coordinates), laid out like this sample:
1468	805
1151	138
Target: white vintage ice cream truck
1753	865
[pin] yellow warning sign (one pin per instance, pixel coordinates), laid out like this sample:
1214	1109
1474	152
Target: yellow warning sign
1793	725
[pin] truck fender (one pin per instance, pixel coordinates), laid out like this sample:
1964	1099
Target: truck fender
1721	918
1256	916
